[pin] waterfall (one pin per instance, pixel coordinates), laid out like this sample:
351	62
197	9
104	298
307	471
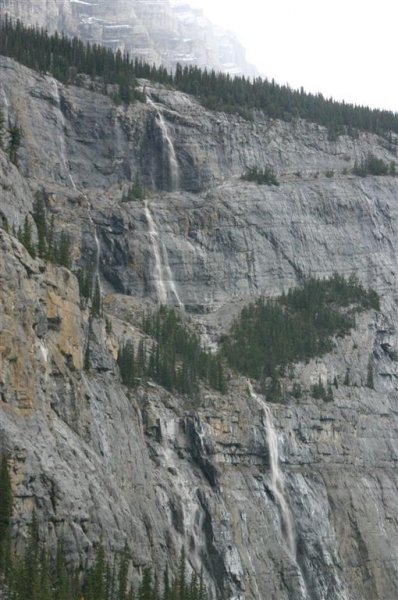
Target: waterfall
153	236
277	487
168	144
277	483
164	281
62	148
96	277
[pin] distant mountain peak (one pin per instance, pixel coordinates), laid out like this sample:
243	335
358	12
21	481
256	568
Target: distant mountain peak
157	31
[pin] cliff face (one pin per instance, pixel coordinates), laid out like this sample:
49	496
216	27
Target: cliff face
160	470
155	30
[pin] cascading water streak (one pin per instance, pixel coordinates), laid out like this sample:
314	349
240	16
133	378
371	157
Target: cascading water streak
164	282
171	153
161	292
96	277
277	483
169	278
62	145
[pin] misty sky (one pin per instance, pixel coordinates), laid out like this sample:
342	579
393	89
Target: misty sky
344	48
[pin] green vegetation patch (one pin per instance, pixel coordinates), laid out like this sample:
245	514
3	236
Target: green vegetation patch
134	192
372	165
54	246
175	360
264	176
296	326
35	574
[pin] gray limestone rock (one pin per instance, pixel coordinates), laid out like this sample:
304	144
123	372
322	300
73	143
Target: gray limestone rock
160	470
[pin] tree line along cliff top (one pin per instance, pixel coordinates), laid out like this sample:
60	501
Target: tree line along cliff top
68	59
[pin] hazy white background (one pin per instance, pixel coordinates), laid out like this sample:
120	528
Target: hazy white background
347	49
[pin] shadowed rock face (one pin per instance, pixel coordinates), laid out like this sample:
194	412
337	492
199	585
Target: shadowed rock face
161	470
153	30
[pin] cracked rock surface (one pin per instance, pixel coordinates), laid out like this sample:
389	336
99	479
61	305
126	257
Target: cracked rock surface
157	469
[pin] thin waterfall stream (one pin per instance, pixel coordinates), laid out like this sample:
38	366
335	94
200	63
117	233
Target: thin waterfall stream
164	282
277	486
276	477
171	156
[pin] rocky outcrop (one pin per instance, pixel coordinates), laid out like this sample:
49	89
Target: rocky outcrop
162	470
155	31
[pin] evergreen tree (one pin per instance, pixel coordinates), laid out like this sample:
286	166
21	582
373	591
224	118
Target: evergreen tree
25	237
193	587
318	390
329	393
202	588
123	575
61	577
141	359
51	249
156	588
135	192
1	129
96	579
5	514
177	360
182	583
63	251
145	589
39	216
85	279
265	176
15	137
269	335
87	356
96	307
66	58
369	377
45	584
126	363
166	584
30	582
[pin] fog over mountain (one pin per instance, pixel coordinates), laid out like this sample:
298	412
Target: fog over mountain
153	30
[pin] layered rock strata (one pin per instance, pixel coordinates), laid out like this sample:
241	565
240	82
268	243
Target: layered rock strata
160	470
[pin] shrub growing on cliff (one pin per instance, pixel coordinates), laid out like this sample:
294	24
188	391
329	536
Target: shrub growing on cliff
134	192
371	166
270	334
264	176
